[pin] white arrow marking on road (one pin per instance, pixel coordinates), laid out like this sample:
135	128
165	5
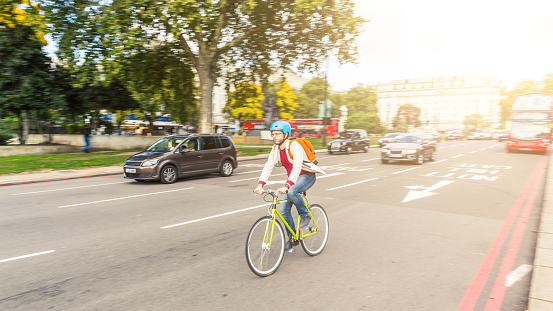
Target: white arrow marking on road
414	194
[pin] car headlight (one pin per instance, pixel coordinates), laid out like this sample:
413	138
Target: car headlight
150	162
411	151
385	150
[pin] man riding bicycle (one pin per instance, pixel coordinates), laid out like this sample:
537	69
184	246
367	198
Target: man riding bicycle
300	178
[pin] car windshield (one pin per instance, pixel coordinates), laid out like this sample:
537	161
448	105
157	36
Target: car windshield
347	135
165	144
408	139
530	130
390	135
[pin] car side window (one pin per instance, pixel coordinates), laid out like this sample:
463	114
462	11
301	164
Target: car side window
191	144
225	141
208	143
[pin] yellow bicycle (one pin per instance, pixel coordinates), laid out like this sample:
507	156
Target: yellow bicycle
267	237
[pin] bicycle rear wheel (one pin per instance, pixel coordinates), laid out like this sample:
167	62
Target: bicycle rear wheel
314	244
263	255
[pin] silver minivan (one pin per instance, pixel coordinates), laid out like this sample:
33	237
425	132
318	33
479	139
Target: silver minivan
178	156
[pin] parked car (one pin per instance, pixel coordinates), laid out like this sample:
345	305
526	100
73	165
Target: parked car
500	135
386	139
415	147
348	141
177	156
454	135
479	134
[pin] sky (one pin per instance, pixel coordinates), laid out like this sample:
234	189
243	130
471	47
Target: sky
404	39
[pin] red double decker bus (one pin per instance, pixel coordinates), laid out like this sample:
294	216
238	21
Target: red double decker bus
529	127
300	127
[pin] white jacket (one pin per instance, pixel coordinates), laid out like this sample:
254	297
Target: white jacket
298	163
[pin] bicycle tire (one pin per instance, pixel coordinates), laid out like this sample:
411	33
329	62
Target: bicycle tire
262	260
314	244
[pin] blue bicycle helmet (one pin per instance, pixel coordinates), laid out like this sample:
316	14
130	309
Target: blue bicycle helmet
282	126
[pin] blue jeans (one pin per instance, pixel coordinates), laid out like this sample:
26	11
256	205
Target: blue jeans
87	144
303	183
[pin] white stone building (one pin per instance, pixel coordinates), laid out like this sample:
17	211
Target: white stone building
444	101
220	97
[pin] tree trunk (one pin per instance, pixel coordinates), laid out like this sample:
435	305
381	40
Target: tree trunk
207	81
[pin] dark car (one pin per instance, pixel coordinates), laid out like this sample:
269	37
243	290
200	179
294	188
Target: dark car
173	157
412	147
386	139
350	140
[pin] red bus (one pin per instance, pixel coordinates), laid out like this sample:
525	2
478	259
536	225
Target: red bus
300	127
529	127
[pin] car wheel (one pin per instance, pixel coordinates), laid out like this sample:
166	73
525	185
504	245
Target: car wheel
434	155
366	149
384	161
168	174
226	168
329	152
348	150
420	159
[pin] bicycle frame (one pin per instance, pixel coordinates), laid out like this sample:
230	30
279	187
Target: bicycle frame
273	212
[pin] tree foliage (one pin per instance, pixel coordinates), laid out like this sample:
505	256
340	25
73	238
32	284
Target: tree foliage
23	13
407	115
243	35
310	96
474	121
245	102
26	79
286	101
160	81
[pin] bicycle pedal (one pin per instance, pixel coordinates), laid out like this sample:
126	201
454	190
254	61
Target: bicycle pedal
295	243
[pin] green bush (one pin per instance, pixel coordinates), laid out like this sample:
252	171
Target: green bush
4	138
73	128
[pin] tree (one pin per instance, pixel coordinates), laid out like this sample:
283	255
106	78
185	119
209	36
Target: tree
242	36
407	115
23	13
360	99
245	103
26	79
311	95
286	101
159	80
474	121
367	121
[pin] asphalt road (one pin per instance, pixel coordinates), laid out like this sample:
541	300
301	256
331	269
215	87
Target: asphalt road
444	235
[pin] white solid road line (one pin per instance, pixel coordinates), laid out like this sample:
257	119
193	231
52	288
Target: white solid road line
355	183
129	197
409	169
215	216
62	189
27	256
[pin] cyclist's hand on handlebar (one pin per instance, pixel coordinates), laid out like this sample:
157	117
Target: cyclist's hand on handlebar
282	190
258	189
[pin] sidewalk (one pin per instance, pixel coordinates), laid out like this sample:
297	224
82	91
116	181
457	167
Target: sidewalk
541	291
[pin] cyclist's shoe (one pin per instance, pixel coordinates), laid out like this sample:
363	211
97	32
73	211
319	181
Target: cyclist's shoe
288	247
304	222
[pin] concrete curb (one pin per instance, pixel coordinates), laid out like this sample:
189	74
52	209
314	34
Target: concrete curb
541	290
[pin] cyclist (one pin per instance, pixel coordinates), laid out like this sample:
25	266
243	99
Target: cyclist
300	178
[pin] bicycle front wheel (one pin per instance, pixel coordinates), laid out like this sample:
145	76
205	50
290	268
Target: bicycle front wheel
313	241
265	246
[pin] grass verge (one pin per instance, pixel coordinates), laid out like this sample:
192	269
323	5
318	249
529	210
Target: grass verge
30	163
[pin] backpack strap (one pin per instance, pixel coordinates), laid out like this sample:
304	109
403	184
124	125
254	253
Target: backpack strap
290	152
